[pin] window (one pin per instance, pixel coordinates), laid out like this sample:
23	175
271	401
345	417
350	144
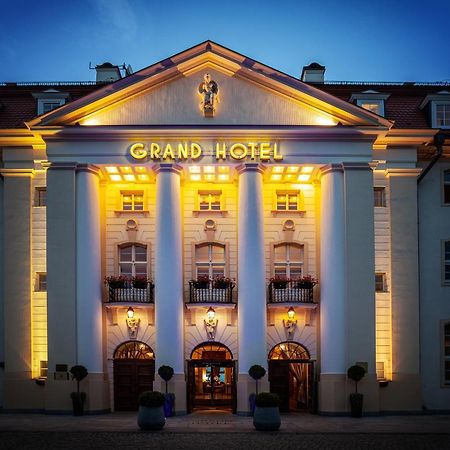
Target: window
288	260
375	106
210	260
50	99
133	201
133	260
446	353
446	262
48	106
379	196
442	115
380	370
287	201
41	282
371	100
380	282
43	369
447	187
210	200
40	198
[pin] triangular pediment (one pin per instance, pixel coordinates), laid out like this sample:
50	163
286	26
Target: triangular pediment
250	93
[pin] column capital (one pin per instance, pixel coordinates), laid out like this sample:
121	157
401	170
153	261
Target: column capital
408	172
62	165
167	167
357	166
251	167
324	170
89	168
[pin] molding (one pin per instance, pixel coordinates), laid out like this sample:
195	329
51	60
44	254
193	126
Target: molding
8	173
357	166
167	167
90	168
250	167
62	166
325	170
402	172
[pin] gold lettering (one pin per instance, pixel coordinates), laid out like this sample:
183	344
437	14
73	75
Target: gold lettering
168	152
276	156
241	153
252	146
264	151
137	151
182	151
155	151
221	153
196	150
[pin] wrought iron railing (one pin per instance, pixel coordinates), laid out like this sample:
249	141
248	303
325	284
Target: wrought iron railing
208	292
129	292
290	291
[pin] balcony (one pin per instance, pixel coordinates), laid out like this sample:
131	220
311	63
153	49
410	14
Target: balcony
290	291
210	292
129	292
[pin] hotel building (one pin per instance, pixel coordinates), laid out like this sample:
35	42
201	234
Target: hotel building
174	216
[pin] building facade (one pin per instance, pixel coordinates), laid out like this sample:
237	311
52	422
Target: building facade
211	213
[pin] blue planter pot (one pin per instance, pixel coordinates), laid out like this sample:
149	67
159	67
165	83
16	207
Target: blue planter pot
169	401
252	403
151	419
267	418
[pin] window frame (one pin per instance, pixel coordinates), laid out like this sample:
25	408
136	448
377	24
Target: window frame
39	283
132	193
445	183
133	269
384	282
444	262
379	102
210	193
383	196
445	383
434	104
37	196
303	265
196	264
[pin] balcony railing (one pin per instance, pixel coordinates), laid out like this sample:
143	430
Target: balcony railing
209	293
128	292
290	291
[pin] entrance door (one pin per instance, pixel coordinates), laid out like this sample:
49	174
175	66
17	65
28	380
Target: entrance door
134	373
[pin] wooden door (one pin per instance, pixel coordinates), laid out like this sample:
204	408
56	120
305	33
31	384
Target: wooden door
131	378
279	382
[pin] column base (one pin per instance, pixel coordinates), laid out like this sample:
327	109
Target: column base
246	386
22	394
177	386
96	387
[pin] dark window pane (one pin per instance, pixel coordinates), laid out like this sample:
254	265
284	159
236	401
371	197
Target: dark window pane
126	253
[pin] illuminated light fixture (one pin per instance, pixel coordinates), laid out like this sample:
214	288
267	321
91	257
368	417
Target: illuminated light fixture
91	122
291	313
115	177
209	169
129	177
196	177
303	177
140	169
278	169
210	177
195	169
224	169
211	313
126	169
210	324
324	121
275	177
112	169
130	312
288	177
292	169
223	177
307	169
143	177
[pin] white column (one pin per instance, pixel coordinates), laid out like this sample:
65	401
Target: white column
332	272
251	270
88	270
168	270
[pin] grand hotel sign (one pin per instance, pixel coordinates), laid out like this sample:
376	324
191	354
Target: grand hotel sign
183	151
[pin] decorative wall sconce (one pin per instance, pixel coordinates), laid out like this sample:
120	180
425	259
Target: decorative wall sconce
211	324
290	324
132	323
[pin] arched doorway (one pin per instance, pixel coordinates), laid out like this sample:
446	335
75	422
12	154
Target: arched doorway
211	378
134	372
291	376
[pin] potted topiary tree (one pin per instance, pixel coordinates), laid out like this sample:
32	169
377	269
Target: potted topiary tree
79	373
256	372
151	411
166	373
356	373
267	412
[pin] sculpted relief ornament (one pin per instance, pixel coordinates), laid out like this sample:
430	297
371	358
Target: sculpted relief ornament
209	90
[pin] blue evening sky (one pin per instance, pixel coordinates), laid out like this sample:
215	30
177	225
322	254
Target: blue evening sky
367	40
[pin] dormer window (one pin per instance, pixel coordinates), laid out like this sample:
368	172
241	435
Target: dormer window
49	100
438	107
442	114
373	101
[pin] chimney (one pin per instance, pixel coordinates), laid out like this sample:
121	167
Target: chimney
314	73
107	73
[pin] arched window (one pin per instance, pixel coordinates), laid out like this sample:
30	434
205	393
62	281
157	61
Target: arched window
288	260
289	350
210	260
134	350
133	260
210	351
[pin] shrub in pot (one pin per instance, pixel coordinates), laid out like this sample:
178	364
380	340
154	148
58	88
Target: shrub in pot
256	372
267	412
166	373
151	411
79	373
202	282
356	373
139	282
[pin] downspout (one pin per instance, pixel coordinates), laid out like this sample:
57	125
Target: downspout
439	140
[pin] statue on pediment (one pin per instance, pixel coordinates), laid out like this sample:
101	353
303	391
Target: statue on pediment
209	90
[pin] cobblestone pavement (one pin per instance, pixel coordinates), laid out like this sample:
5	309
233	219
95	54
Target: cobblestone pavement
218	441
